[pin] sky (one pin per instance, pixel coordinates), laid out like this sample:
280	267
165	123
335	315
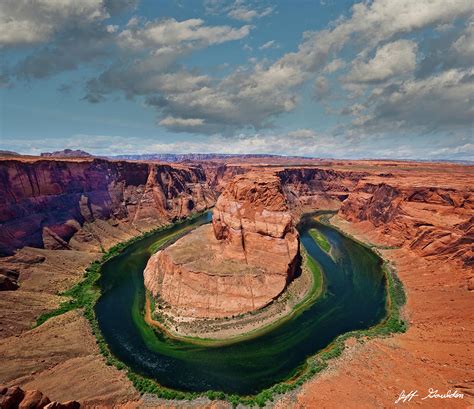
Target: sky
322	78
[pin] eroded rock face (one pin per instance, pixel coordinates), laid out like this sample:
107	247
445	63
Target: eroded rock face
431	221
310	189
15	397
51	203
238	264
253	222
8	279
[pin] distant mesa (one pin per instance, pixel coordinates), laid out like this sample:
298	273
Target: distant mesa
67	153
4	154
193	157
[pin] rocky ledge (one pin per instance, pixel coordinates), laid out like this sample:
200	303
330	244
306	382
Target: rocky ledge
237	265
15	397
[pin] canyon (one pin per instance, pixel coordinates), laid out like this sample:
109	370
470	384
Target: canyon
58	215
78	204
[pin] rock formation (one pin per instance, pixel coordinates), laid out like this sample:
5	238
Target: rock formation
308	189
424	210
238	264
15	397
432	221
8	279
252	220
52	203
67	153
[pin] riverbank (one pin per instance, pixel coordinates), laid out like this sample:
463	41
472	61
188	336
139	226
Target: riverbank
85	293
301	292
168	350
314	365
428	355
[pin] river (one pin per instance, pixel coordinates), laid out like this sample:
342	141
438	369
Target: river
354	298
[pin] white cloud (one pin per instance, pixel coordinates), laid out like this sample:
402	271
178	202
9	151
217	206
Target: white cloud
243	13
181	122
253	97
171	33
390	60
303	142
27	22
441	101
237	9
269	44
372	23
321	88
150	61
334	65
464	45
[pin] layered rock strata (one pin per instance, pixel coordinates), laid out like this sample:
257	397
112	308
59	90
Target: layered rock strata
430	220
308	189
73	204
238	264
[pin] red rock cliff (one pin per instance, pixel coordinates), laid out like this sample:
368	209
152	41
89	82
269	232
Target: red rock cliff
254	224
431	220
51	203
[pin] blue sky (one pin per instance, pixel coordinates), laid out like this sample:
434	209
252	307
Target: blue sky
374	79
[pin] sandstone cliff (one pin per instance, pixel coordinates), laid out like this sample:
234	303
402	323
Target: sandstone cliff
240	263
312	188
76	203
253	221
433	221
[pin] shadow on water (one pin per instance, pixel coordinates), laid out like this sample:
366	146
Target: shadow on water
354	299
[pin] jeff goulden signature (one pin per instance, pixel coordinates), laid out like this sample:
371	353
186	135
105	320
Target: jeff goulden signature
431	394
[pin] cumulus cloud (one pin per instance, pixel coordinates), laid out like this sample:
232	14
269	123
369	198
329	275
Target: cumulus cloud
255	97
25	22
334	65
464	45
64	33
442	101
393	81
390	60
372	23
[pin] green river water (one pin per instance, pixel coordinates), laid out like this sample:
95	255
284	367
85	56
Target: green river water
354	298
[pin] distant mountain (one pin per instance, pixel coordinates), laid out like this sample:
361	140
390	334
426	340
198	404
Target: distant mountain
176	157
67	153
9	153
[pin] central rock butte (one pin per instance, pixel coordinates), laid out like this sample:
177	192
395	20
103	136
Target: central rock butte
237	264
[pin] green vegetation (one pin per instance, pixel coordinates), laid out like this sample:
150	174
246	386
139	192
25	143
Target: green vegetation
86	293
392	324
318	276
316	290
320	240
